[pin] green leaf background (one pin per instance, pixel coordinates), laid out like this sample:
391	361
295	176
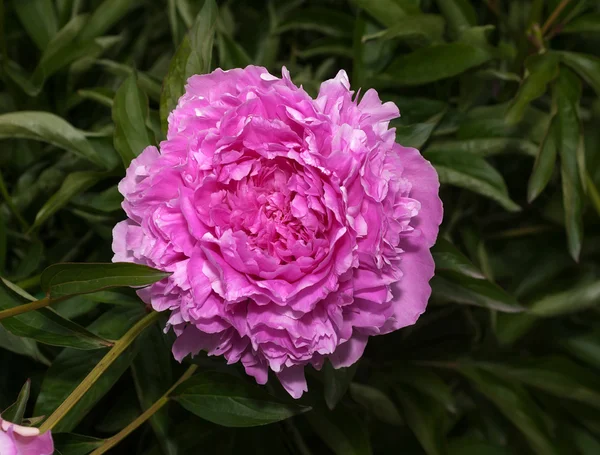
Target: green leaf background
501	97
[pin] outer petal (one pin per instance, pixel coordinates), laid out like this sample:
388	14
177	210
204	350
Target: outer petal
293	380
348	353
7	444
138	170
36	445
412	292
425	189
192	341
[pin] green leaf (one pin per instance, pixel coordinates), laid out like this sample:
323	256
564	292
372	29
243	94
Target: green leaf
324	20
74	184
153	376
64	49
231	54
74	307
341	430
576	298
459	14
426	382
472	446
106	201
544	163
489	121
327	47
471	172
425	418
45	325
587	23
478	37
485	146
417	109
39	19
70	367
556	375
147	83
448	257
585	346
65	279
508	328
192	57
75	444
31	261
123	410
100	95
47	127
16	411
232	402
388	12
455	287
423	29
587	66
130	115
377	403
585	443
569	141
541	70
493	74
107	14
416	135
517	406
21	346
433	63
336	382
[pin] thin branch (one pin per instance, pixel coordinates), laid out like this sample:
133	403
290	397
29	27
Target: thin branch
114	440
562	5
118	348
25	308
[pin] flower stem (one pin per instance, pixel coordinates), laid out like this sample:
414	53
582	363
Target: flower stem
36	305
562	5
114	440
112	355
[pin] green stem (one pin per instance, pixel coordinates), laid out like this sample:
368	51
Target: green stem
112	355
114	440
562	5
11	205
25	308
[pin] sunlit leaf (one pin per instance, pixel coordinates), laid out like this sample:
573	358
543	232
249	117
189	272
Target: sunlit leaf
47	127
39	19
64	279
130	115
192	57
471	172
433	63
45	325
570	148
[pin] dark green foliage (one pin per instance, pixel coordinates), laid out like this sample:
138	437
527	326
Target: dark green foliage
501	97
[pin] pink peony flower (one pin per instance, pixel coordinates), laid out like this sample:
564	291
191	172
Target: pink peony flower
294	228
18	440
